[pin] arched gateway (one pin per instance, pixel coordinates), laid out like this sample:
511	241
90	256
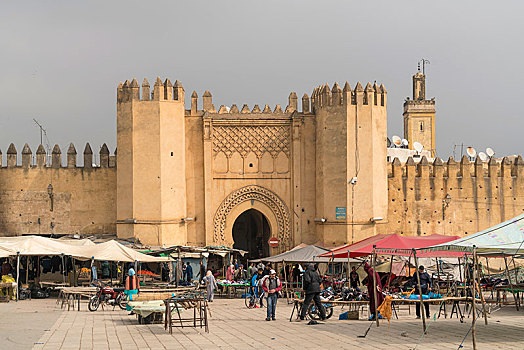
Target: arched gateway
253	197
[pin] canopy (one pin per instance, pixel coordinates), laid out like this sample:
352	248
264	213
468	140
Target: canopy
114	251
506	238
303	254
80	249
392	244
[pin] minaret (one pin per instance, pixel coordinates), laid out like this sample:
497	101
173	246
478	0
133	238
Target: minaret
419	116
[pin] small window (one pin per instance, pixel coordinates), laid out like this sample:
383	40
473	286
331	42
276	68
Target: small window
422	126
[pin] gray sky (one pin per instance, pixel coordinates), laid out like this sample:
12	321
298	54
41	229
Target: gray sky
60	61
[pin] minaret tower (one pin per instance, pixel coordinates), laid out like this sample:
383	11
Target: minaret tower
419	116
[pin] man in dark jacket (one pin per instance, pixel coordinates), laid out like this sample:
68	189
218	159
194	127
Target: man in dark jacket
311	287
353	278
425	286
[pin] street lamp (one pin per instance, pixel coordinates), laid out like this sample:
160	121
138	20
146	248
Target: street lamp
51	195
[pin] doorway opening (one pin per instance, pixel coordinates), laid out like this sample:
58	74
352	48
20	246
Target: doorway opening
251	232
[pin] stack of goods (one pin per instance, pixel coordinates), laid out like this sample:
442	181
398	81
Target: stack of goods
352	294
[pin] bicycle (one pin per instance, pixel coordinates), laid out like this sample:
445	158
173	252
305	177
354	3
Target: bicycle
253	300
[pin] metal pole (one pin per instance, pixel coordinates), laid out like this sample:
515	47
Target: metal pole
473	292
17	274
373	263
477	287
421	308
438	276
347	273
27	270
285	281
511	284
516	279
390	271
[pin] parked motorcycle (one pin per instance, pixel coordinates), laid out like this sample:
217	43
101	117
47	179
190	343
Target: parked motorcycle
109	295
326	296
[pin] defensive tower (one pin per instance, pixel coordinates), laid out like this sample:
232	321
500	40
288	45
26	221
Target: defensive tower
151	181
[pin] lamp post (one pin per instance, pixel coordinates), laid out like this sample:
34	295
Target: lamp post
51	195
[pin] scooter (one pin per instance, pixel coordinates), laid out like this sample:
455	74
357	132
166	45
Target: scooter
109	295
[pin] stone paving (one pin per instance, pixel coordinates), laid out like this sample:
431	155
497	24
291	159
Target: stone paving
233	326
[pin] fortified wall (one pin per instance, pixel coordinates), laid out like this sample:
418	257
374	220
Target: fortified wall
453	198
41	195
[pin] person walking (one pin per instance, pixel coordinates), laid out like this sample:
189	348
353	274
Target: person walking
211	285
256	289
271	285
354	280
230	272
425	286
311	287
189	272
132	287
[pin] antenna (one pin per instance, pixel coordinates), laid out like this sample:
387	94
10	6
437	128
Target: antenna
418	147
471	153
424	62
388	142
405	143
490	152
483	157
397	141
42	130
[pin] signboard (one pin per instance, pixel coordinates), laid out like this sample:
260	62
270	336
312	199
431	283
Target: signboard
340	213
273	242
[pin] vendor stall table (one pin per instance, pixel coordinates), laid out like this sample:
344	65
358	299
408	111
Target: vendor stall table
73	295
195	301
232	289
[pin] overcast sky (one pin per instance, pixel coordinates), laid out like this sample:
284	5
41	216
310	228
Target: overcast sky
60	61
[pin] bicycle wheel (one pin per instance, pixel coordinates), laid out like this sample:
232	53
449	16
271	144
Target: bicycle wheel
250	301
314	313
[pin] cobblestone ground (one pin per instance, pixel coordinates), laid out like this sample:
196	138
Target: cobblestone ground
233	326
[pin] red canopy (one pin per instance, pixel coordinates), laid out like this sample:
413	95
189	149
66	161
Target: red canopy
394	244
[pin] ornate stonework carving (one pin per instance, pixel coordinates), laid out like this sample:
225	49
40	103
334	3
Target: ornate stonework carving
274	202
257	139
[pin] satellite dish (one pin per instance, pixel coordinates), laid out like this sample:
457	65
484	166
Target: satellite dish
471	152
397	141
405	143
418	147
483	157
388	141
490	152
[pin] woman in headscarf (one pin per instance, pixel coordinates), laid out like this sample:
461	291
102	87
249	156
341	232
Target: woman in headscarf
132	286
380	298
211	285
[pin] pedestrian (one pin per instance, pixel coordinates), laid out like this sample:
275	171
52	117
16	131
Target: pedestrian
256	288
202	271
271	285
211	285
252	270
425	286
380	297
184	276
230	272
311	287
189	272
354	280
132	287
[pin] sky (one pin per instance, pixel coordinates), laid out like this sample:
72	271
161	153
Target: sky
61	61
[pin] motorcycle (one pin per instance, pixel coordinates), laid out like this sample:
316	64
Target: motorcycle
109	295
326	296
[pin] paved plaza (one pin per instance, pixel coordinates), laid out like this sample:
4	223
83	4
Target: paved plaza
29	324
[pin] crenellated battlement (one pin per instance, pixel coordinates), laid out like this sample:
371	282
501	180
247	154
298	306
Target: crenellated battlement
324	96
162	91
53	159
451	169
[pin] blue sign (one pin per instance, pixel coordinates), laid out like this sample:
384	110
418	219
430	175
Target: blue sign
340	213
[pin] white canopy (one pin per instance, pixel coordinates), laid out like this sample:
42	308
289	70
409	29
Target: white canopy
80	249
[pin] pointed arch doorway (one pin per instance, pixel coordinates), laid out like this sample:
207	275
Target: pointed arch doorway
251	232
